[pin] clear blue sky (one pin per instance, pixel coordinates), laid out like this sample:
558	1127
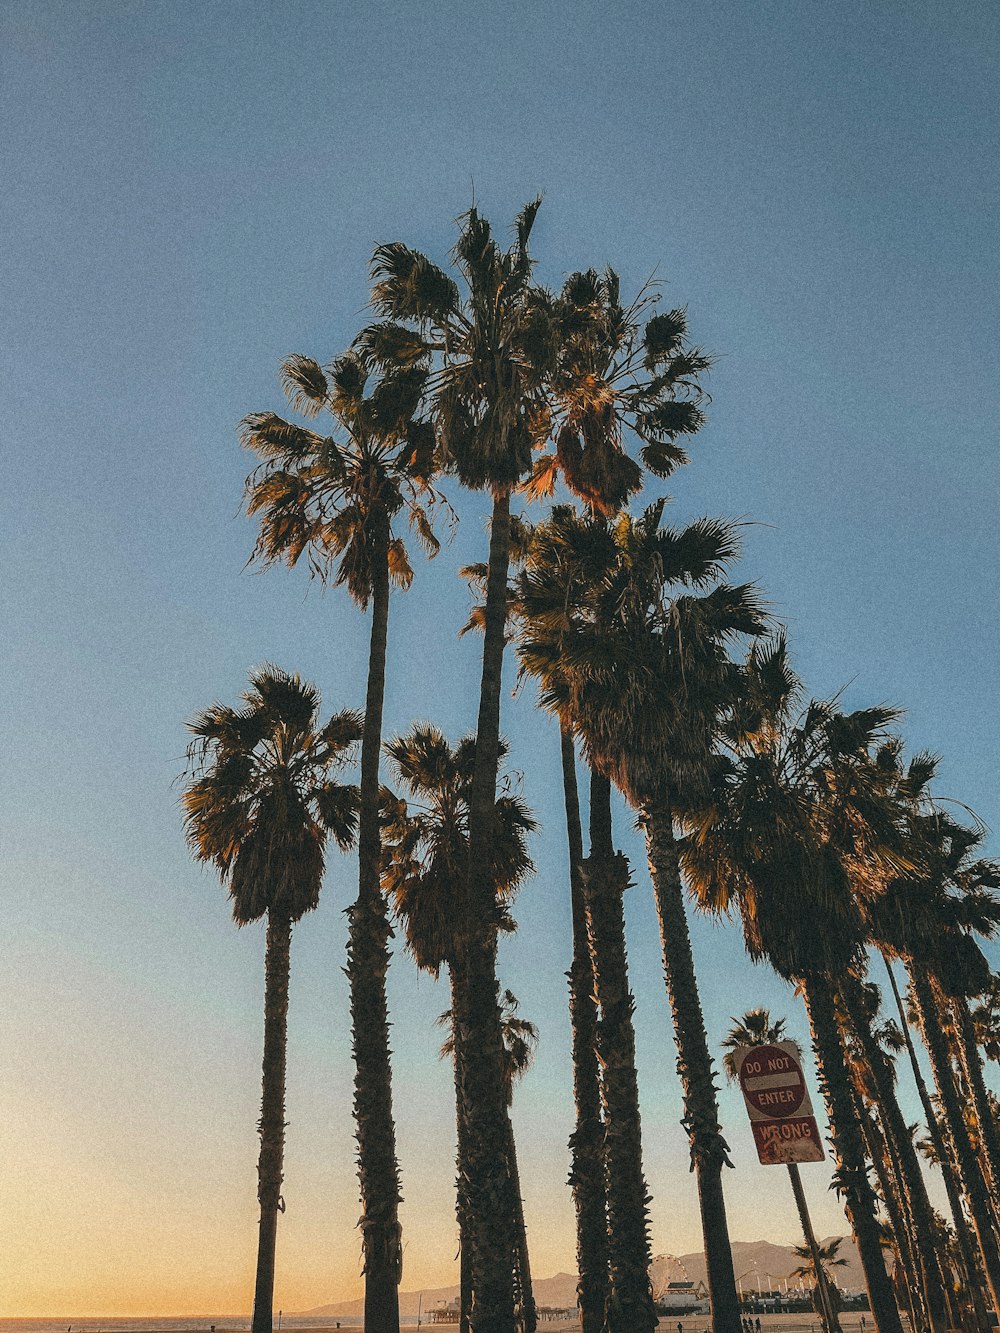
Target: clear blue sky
192	192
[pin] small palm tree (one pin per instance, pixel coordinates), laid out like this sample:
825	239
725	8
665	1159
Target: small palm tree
334	500
827	1257
259	807
753	1029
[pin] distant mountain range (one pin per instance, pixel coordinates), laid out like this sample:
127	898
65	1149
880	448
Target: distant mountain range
752	1260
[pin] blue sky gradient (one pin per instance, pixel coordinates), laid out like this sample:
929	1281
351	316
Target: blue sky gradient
192	192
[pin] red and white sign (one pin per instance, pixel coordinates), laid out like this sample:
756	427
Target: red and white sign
774	1089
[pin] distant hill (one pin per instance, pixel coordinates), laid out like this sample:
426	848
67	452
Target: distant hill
750	1259
757	1257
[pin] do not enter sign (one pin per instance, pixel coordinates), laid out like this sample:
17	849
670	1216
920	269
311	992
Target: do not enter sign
774	1089
772	1081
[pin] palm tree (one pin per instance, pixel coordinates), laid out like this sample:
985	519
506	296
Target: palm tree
789	813
816	1267
424	855
259	807
641	675
927	917
609	1185
491	349
986	1019
501	358
944	1157
587	1172
335	499
755	1028
861	1004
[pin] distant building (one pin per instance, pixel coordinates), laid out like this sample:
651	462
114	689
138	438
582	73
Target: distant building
682	1295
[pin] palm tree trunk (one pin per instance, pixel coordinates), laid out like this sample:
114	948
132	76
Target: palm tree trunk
968	1167
367	963
491	1195
901	1147
272	1113
462	1164
529	1314
586	1143
878	1156
851	1175
828	1307
630	1299
968	1051
709	1150
946	1161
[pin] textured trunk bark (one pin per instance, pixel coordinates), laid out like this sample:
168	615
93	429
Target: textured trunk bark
491	1196
851	1176
586	1143
526	1297
630	1299
949	1170
272	1114
877	1154
367	963
462	1152
901	1148
709	1150
969	1170
989	1139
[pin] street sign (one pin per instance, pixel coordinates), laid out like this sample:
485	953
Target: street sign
777	1099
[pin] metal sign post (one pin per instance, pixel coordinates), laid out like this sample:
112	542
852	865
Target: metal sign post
785	1132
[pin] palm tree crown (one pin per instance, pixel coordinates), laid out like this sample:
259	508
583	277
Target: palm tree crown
425	844
262	803
333	498
615	374
753	1029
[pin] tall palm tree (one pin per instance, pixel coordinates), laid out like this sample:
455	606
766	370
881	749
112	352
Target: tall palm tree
641	673
861	1004
755	1028
259	806
425	849
927	917
500	351
334	499
788	812
587	1174
986	1019
609	1186
617	376
944	1158
490	347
